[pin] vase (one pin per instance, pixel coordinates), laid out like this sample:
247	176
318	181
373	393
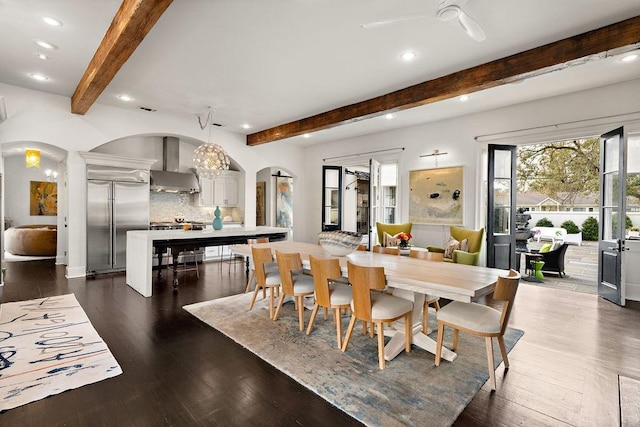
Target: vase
404	244
217	221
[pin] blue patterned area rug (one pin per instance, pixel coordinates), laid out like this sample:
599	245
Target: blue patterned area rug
409	391
47	346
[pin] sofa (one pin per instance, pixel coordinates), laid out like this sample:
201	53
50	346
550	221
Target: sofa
33	240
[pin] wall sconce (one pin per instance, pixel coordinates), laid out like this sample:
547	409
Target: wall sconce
435	154
52	176
32	158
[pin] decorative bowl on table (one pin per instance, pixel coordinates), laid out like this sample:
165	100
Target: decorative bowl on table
339	243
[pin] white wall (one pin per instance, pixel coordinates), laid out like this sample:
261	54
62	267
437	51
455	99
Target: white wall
36	116
457	138
41	117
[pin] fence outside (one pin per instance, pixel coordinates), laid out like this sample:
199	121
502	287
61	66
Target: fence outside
557	218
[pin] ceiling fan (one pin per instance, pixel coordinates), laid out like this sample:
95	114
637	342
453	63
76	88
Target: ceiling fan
448	10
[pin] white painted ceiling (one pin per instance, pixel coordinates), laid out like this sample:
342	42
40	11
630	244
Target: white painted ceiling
269	62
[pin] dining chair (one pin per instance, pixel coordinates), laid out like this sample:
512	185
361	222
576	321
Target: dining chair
267	276
362	248
386	250
252	273
481	320
328	294
376	307
428	299
295	283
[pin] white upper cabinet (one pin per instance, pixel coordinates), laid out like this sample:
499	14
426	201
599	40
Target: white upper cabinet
221	191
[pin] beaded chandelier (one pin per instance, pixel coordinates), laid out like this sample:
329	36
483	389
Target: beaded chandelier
209	159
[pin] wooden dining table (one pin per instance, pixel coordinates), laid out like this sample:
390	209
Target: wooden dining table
408	278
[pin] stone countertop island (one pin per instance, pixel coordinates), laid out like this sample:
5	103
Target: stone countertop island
140	244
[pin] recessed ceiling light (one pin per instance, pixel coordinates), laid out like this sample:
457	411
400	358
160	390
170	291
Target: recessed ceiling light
389	116
629	58
41	55
39	77
246	126
408	56
464	98
306	135
125	98
52	21
46	45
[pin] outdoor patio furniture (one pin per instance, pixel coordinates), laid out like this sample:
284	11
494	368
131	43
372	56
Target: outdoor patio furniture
553	260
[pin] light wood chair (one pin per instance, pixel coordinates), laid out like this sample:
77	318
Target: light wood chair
294	283
481	320
428	299
362	248
386	250
334	296
376	307
267	276
252	273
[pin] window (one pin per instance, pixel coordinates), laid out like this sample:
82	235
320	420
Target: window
389	183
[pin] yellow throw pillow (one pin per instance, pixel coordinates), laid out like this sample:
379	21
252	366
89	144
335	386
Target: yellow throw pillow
545	248
389	240
452	245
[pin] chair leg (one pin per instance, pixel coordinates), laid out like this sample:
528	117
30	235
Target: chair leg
456	333
492	369
253	298
380	345
347	337
326	313
252	274
336	314
408	333
300	312
280	301
425	317
503	350
312	319
439	343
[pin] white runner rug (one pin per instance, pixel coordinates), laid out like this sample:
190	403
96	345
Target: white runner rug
47	346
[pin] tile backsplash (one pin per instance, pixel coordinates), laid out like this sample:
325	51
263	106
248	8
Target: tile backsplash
165	206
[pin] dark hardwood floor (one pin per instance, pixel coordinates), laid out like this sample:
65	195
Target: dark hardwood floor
180	372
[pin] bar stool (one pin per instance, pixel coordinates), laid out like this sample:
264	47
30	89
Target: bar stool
185	254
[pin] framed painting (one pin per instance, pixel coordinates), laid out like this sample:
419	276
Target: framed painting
260	203
284	201
43	198
436	196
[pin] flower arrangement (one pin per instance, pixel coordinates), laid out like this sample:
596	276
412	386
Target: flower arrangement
403	239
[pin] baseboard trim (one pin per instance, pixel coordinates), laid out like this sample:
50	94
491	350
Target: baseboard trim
73	272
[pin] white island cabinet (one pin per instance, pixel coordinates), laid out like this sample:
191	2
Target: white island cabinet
140	245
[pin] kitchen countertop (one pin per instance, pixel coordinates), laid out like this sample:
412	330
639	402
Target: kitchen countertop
140	244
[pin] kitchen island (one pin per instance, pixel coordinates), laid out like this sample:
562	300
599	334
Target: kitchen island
140	245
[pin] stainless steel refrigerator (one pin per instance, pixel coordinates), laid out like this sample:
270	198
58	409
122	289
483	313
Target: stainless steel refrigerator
117	201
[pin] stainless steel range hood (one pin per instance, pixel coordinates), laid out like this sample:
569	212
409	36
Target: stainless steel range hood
168	179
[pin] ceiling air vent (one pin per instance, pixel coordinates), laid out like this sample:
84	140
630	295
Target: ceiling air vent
150	110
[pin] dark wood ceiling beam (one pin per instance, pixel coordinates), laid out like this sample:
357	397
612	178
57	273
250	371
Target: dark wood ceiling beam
611	39
132	23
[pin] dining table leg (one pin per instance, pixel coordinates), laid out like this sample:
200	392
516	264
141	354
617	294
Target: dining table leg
396	331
